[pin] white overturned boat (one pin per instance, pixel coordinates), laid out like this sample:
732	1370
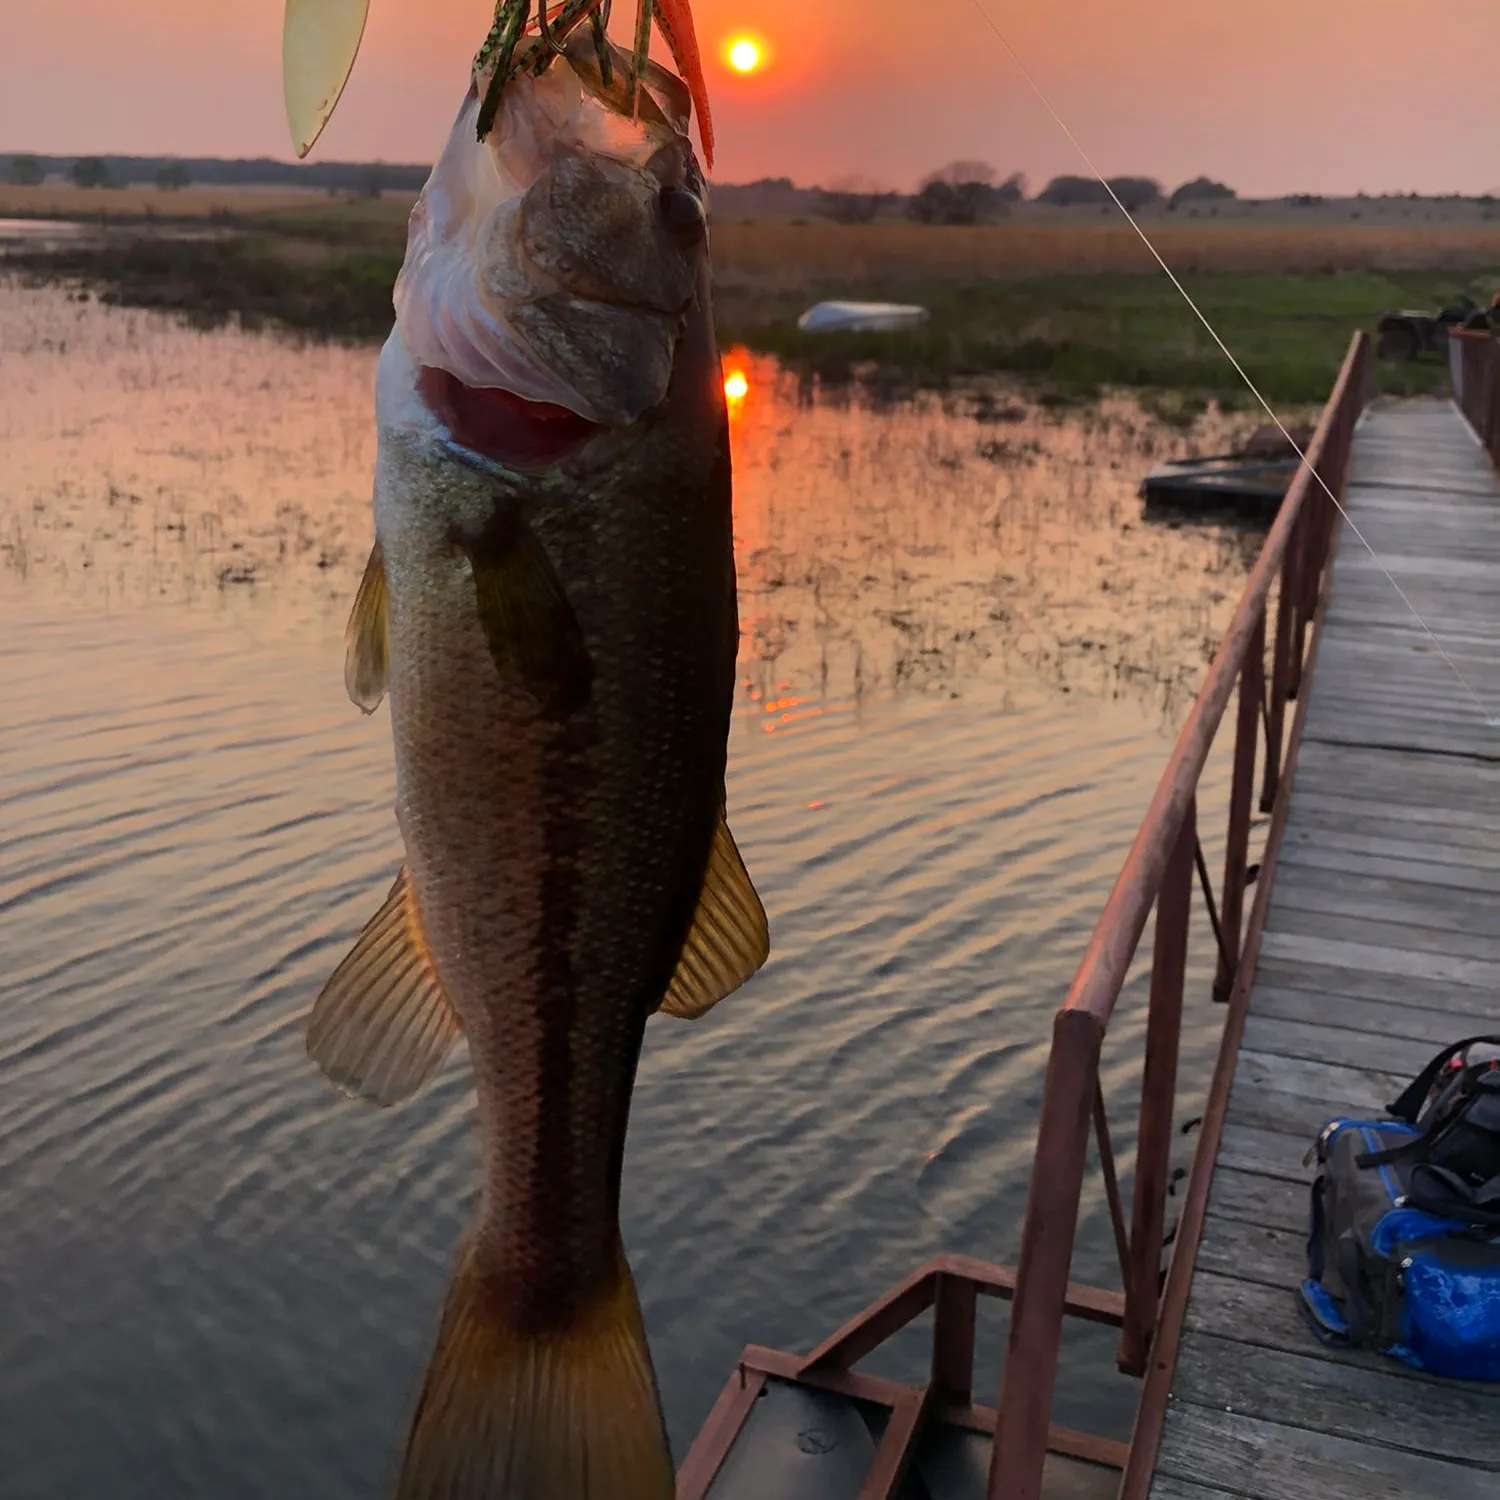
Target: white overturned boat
860	317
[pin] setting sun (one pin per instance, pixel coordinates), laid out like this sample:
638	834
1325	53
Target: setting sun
745	56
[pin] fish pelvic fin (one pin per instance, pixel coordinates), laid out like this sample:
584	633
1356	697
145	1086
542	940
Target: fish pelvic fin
383	1025
567	1414
729	939
367	659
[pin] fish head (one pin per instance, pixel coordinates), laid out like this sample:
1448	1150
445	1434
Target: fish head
556	268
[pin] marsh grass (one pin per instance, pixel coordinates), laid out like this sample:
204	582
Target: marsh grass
198	202
1078	333
1074	307
774	254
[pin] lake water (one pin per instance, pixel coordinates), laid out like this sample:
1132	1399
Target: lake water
965	652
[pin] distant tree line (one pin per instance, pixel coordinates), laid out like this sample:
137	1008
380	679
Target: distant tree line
971	192
171	172
1199	190
965	192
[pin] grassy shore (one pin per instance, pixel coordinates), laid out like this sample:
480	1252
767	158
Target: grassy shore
1071	302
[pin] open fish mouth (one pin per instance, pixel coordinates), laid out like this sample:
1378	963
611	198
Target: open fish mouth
498	425
551	268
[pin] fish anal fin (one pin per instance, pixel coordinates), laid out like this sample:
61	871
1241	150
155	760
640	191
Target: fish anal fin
729	939
567	1413
382	1026
367	662
534	637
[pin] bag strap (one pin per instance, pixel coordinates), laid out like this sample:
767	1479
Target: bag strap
1409	1105
1436	1190
1315	1225
1414	1148
1346	1254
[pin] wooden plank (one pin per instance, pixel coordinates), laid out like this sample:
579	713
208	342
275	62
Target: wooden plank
1413	779
1410	657
1272	1461
1348	954
1344	1088
1406	936
1168	1487
1327	1044
1433	1027
1357	984
1402	678
1400	670
1250	1198
1445	728
1314	812
1267	1317
1268	1153
1405	902
1298	1115
1360	605
1375	1406
1272	1257
1342	862
1436	729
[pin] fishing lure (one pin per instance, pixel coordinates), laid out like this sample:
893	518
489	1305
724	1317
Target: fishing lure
320	39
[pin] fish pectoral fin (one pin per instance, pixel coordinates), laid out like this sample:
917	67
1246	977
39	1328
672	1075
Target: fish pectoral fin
367	660
729	939
319	40
382	1026
534	636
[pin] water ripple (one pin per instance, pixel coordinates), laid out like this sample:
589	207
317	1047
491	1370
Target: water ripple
221	1277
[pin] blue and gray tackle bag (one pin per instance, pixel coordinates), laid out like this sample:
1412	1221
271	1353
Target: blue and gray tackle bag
1403	1250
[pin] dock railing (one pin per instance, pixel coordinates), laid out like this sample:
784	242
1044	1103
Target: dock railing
1160	872
1474	361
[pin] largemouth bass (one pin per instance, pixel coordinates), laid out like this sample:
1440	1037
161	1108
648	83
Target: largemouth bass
550	604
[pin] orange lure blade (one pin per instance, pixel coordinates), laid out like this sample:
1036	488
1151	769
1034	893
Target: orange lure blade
674	19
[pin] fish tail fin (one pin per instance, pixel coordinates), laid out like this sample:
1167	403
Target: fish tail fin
567	1414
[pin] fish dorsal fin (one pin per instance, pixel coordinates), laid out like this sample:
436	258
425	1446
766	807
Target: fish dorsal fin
367	661
729	939
382	1026
319	39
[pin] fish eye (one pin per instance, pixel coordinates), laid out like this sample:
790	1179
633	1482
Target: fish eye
682	214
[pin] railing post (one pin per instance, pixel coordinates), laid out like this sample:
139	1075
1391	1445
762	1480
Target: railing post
1281	651
1025	1411
1241	789
953	1340
1294	578
1153	1161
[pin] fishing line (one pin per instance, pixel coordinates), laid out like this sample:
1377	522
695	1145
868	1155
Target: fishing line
1491	719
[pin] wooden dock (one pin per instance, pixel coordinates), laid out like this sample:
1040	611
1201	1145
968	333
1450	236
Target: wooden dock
1371	940
1381	944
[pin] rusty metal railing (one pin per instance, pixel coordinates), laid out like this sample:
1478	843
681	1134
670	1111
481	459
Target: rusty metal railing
1159	872
1474	363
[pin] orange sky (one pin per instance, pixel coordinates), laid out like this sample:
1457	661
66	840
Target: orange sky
1271	96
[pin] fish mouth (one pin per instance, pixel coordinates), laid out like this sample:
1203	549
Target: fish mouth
501	426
